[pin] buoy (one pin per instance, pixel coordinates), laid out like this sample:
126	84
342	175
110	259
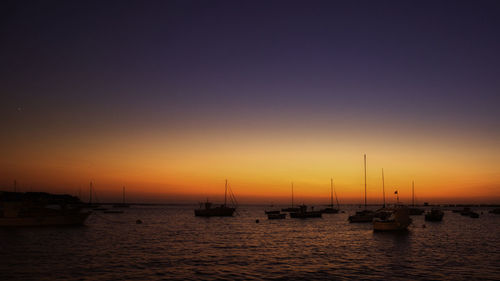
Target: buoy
138	221
257	221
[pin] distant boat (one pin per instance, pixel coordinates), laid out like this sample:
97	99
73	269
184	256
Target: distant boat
331	209
94	206
276	216
271	210
291	209
123	204
113	211
413	210
473	215
495	211
397	221
364	215
434	215
40	209
304	214
207	210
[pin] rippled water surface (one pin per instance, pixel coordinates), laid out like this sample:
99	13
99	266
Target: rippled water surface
173	244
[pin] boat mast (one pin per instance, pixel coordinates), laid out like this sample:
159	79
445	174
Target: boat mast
225	195
331	193
413	193
383	186
336	198
365	181
90	194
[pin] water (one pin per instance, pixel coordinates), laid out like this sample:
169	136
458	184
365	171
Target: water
173	244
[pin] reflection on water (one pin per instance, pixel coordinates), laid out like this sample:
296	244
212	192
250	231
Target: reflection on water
172	243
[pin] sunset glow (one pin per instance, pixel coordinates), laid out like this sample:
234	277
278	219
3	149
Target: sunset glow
172	115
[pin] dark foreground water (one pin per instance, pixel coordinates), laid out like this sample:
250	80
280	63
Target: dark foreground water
173	244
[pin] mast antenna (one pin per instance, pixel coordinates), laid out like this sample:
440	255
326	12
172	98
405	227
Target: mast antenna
365	179
413	193
331	192
225	195
383	186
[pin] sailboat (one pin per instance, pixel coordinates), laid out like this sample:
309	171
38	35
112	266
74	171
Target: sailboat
383	212
94	206
123	204
291	209
331	209
207	210
40	209
398	220
364	215
413	210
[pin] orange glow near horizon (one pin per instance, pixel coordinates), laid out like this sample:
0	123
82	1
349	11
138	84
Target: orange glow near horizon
191	166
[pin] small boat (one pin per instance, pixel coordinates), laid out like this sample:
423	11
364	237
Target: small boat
41	209
113	212
207	210
399	220
364	215
331	209
304	214
413	210
292	208
272	210
434	215
465	211
495	211
123	204
277	216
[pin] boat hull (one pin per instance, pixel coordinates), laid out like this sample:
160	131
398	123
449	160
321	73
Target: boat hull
362	216
389	226
330	211
290	209
305	215
58	220
434	216
276	216
215	212
415	211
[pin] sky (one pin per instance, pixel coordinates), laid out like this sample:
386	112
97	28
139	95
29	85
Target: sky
170	98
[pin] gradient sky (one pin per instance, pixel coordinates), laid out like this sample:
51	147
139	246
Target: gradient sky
169	98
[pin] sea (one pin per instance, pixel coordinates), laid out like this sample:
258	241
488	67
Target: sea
173	244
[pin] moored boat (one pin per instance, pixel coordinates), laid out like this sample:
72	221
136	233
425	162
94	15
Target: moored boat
434	215
277	216
414	211
331	209
292	208
364	215
304	214
473	215
40	209
207	209
495	211
398	220
122	204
